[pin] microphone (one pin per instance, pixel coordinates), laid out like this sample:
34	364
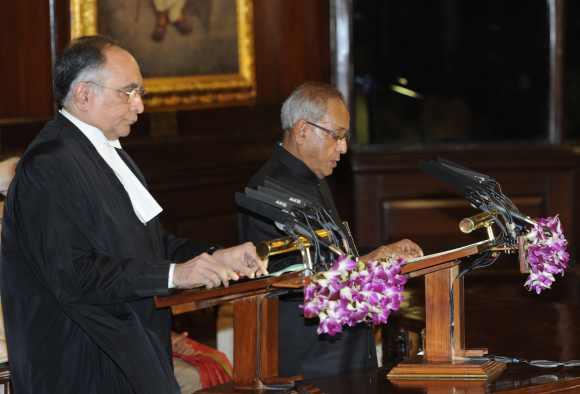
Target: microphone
265	198
296	191
297	216
312	235
484	193
472	223
461	178
260	208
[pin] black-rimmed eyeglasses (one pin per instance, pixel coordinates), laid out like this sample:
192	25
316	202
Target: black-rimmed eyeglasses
335	135
131	93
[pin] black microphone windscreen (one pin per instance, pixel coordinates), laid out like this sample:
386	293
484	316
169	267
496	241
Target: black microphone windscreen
294	191
460	169
269	199
461	178
262	209
280	195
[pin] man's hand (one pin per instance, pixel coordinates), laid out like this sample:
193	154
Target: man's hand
220	267
404	248
243	260
179	344
202	270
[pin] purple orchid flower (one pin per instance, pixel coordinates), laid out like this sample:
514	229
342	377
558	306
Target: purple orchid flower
547	253
352	292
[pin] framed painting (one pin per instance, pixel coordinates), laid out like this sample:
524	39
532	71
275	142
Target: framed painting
192	53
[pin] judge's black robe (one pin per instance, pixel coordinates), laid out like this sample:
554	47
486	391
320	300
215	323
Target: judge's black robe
301	349
78	275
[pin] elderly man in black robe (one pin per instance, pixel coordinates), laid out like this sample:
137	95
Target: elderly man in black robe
83	251
316	123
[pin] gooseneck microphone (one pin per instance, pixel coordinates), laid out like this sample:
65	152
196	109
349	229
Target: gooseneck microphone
472	223
297	216
484	193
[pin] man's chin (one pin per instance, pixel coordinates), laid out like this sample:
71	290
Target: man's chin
124	132
328	172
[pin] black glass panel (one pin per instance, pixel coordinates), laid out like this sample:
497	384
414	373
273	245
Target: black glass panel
450	71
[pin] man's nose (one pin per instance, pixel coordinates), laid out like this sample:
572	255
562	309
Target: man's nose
342	146
137	104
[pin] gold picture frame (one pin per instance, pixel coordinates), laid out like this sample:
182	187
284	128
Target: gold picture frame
210	88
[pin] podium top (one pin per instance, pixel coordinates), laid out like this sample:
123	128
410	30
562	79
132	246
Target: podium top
437	261
200	298
187	300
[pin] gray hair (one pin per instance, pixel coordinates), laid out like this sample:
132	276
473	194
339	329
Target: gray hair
309	102
88	74
79	60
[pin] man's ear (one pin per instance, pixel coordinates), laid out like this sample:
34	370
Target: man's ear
300	131
81	96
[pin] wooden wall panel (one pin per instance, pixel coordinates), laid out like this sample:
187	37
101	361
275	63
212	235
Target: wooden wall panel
25	67
195	182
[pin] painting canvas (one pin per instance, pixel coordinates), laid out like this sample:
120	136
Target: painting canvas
193	53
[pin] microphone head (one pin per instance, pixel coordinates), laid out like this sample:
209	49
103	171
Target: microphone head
466	225
461	178
472	223
262	209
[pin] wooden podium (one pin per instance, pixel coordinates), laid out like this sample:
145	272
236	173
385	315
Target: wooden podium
255	305
445	356
256	324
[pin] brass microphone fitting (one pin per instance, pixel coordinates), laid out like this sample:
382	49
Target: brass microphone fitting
278	246
472	223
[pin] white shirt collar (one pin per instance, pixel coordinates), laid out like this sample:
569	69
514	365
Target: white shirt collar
144	205
94	134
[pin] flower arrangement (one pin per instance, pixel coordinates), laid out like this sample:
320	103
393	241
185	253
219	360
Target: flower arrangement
546	253
352	292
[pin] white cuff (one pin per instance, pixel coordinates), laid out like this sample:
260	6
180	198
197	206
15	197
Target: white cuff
170	284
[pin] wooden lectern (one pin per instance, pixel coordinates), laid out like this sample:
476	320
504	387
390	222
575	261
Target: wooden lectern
255	326
445	355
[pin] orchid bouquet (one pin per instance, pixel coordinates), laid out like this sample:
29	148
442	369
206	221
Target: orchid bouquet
353	292
546	253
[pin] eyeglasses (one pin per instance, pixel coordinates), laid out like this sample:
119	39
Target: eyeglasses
131	93
345	136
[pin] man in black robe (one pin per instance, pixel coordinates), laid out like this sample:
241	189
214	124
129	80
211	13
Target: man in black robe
83	251
315	121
